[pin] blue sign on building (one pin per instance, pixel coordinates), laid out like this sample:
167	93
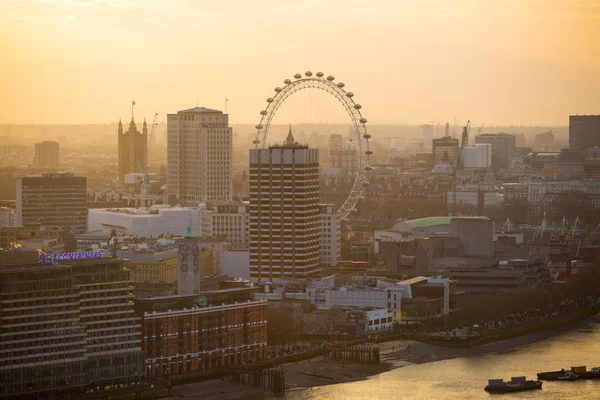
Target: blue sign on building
52	258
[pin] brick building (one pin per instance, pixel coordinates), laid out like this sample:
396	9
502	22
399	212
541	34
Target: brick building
183	334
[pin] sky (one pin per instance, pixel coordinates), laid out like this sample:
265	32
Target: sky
513	62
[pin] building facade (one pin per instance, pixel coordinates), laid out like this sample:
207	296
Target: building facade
331	236
46	155
503	148
183	335
445	149
542	197
66	326
344	158
284	211
584	131
53	200
227	220
199	156
150	266
194	263
133	149
478	156
8	217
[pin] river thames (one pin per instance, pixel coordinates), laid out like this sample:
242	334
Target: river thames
465	378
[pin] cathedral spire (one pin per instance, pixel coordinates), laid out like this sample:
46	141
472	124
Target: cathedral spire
290	141
120	127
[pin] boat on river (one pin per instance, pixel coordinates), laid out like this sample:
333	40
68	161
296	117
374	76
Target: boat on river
516	384
562	375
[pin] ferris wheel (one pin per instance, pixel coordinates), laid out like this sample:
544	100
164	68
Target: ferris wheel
346	99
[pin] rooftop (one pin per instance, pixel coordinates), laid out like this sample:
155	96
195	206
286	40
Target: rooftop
432	221
200	110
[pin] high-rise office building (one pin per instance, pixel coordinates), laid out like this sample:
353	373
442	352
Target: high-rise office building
53	200
46	155
503	148
284	211
133	149
445	149
584	131
199	156
71	324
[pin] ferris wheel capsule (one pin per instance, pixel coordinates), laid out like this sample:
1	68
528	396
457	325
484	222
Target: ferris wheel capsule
278	89
366	183
357	106
259	126
256	141
263	112
287	81
367	135
368	152
368	168
363	120
308	73
320	74
350	94
341	84
270	100
297	76
331	78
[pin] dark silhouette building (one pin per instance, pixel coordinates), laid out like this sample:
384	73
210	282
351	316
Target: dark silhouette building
133	149
584	131
53	200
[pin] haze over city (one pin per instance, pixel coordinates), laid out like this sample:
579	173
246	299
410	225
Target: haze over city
507	62
299	199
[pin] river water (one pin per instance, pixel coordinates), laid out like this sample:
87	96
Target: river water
465	378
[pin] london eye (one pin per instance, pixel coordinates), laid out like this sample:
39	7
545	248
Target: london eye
353	109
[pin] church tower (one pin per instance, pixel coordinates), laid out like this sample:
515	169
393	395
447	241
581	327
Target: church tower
133	149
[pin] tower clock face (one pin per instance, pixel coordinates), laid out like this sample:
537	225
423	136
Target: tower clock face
184	267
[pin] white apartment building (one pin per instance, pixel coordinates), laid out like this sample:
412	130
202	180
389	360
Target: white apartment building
284	211
199	147
228	220
331	236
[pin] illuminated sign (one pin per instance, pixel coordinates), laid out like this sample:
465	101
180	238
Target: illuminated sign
47	258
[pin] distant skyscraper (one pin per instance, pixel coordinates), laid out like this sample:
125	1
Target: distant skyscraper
584	131
503	148
445	149
46	155
284	211
199	156
133	149
53	200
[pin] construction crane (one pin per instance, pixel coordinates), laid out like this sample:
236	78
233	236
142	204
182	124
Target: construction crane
465	134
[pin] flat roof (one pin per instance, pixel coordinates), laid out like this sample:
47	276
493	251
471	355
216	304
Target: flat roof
432	221
199	110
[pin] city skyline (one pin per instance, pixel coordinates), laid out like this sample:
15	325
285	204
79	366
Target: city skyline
508	62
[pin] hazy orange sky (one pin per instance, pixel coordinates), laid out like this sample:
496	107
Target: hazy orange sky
408	61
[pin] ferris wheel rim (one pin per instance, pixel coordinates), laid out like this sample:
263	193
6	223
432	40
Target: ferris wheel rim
327	84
